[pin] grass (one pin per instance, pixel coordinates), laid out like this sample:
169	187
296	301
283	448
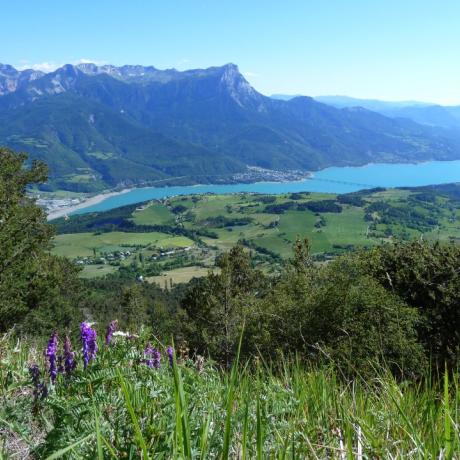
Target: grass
95	271
179	275
120	408
329	233
82	244
154	214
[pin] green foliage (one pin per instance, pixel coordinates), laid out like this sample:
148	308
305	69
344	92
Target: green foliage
133	303
133	307
397	305
217	305
120	408
338	312
36	290
427	277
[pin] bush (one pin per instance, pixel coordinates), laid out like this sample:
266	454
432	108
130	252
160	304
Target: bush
321	206
427	277
339	312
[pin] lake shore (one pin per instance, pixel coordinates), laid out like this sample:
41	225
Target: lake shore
335	180
84	204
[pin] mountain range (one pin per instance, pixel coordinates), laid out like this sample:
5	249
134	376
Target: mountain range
102	126
421	112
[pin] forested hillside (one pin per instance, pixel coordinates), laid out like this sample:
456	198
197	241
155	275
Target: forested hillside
98	127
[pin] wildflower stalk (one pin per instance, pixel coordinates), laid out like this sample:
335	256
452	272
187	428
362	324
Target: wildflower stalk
89	344
51	356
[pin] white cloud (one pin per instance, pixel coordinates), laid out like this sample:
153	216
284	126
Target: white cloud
52	66
89	61
182	63
43	66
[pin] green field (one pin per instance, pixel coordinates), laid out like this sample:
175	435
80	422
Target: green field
83	244
156	213
179	275
266	224
94	271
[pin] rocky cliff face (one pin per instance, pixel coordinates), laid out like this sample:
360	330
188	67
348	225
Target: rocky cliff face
12	79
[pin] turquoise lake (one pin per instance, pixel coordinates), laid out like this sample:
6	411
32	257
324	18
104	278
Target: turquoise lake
332	180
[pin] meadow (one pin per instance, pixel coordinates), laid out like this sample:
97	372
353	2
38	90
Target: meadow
267	225
129	402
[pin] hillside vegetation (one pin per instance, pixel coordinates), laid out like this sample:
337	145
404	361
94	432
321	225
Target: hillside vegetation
354	357
128	405
267	225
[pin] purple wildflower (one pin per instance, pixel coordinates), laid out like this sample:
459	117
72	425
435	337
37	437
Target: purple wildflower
88	340
60	367
111	328
40	390
34	372
170	352
153	357
50	354
69	357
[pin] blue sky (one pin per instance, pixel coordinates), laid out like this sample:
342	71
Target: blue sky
386	49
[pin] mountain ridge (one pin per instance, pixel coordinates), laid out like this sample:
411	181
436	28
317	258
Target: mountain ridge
426	113
215	121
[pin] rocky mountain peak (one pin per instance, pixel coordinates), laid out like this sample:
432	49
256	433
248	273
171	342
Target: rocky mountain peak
238	87
12	79
7	70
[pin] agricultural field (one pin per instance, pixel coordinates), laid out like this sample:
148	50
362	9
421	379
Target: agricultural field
179	275
159	233
87	244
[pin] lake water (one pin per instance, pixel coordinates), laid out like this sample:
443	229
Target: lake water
332	180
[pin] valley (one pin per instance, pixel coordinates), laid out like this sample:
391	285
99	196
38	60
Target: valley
174	239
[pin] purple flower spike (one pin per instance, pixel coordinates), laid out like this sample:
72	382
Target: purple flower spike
69	357
50	354
88	340
34	372
40	390
153	357
111	328
170	352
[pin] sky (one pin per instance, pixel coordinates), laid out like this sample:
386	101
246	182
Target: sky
383	49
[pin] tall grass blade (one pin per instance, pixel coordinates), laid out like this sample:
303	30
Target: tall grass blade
100	454
447	419
244	440
63	451
137	429
259	440
229	403
181	411
204	438
110	448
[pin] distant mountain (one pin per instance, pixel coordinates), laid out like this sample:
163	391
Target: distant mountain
99	126
285	97
370	104
420	112
11	79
